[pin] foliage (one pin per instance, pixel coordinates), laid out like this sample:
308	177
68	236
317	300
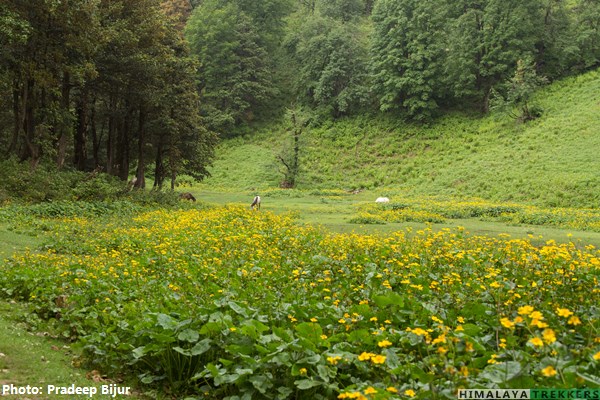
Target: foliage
520	91
92	81
332	62
234	69
288	311
406	62
549	162
21	184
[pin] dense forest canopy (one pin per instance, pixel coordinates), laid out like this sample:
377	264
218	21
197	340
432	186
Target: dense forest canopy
128	85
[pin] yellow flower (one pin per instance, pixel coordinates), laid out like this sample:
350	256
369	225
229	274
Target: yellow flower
333	360
536	315
549	336
379	359
536	341
303	371
525	310
574	320
392	389
596	356
384	343
549	371
564	312
539	323
439	339
352	395
442	350
419	331
373	319
459	328
410	393
370	390
364	356
313	320
507	323
460	320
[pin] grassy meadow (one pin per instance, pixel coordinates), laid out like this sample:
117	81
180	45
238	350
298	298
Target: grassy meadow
551	161
483	271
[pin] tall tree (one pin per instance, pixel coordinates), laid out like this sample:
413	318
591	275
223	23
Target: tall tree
484	41
587	32
331	57
234	70
44	69
343	10
407	55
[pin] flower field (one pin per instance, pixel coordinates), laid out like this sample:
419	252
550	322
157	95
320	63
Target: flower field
230	303
424	209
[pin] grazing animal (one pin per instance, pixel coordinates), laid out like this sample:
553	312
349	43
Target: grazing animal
187	196
255	203
382	200
132	182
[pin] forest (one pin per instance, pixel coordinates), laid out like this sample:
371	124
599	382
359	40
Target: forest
476	120
134	85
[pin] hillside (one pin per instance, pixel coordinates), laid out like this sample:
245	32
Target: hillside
551	161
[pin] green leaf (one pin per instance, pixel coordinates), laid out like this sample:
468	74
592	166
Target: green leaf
310	331
471	329
284	392
201	347
417	373
166	321
593	379
323	372
210	328
389	299
139	352
214	371
238	309
261	383
314	359
180	350
304	384
501	372
188	335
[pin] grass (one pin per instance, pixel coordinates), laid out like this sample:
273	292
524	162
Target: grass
11	241
551	161
334	213
36	358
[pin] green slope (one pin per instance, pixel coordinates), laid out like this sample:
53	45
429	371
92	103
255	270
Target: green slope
552	161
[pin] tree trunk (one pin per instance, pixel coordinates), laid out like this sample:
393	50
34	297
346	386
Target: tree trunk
63	127
141	180
159	168
80	139
110	142
33	151
95	138
12	148
123	144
